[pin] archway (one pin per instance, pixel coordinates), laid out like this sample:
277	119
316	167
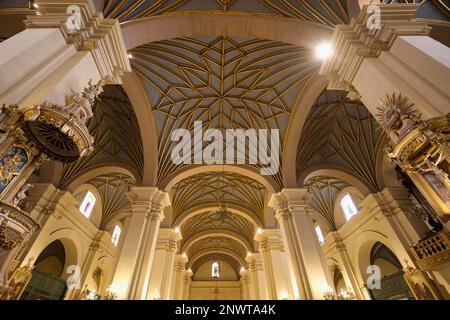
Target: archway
46	282
392	285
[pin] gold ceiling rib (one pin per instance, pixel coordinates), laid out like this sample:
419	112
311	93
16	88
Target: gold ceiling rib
217	188
117	137
215	221
228	83
328	12
113	189
341	133
324	191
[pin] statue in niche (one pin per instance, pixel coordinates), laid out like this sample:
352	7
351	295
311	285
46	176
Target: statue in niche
397	115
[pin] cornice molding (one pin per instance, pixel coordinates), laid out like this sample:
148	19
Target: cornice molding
102	37
354	42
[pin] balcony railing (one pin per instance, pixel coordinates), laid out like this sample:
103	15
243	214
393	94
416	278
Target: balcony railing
432	251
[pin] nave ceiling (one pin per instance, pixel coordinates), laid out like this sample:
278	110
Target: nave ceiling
229	82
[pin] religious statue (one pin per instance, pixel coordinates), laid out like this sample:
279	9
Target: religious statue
80	106
21	199
397	115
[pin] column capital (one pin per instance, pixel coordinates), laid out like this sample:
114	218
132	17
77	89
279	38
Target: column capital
187	276
148	200
289	200
254	262
245	277
269	240
87	29
167	240
358	40
179	263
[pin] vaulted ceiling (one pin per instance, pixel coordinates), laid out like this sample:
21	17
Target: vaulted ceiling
113	189
321	11
229	82
225	82
216	189
324	191
340	133
117	139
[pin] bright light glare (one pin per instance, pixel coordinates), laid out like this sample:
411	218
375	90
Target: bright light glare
324	51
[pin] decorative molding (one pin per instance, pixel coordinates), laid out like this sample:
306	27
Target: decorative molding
87	29
354	42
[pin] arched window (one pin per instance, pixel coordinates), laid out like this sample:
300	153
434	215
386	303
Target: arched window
88	204
348	206
319	235
215	273
116	235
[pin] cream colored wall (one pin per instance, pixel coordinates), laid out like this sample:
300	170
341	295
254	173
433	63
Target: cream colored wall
382	217
204	290
84	245
203	273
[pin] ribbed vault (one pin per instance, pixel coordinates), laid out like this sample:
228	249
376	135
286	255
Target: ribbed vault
113	188
218	221
225	82
117	137
328	12
429	9
324	191
340	133
218	188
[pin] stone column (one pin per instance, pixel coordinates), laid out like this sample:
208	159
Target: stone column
276	265
162	268
178	276
50	76
187	280
245	284
258	285
334	242
64	46
403	78
132	275
304	252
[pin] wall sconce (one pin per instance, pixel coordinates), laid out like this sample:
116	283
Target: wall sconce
284	295
111	293
346	294
328	293
155	295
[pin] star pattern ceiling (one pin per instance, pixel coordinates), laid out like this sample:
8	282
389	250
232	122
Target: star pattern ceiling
214	221
218	188
341	133
328	12
117	138
225	82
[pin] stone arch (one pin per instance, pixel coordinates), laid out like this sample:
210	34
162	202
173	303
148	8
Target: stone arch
193	170
339	173
85	177
301	110
217	233
156	28
248	215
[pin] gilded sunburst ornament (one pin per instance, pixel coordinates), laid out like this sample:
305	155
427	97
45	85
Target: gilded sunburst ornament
397	114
